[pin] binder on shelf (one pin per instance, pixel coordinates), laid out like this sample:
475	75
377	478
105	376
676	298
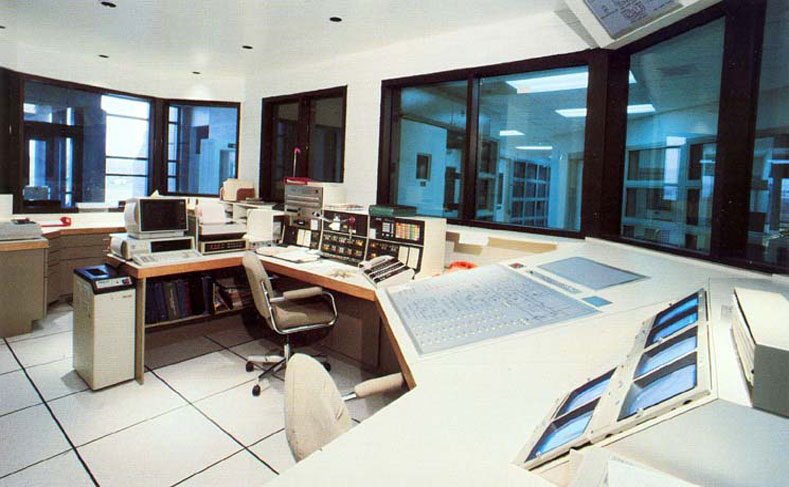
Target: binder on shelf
391	211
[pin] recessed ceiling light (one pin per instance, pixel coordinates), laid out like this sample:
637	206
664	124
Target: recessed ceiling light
335	19
509	133
535	147
581	112
246	46
103	56
195	72
109	4
2	27
559	82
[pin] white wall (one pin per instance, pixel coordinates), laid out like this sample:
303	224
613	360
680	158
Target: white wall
92	70
518	39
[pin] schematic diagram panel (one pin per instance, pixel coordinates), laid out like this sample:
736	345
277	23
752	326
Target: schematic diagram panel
471	306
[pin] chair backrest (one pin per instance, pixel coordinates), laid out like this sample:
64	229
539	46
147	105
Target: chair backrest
315	413
258	281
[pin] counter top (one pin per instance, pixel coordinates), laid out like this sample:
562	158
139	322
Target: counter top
30	244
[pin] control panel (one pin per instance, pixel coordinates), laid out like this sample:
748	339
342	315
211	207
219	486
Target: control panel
302	237
401	238
344	236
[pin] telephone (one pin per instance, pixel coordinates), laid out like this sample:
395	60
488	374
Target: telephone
385	271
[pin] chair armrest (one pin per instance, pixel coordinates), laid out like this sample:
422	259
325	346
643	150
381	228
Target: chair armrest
379	385
307	292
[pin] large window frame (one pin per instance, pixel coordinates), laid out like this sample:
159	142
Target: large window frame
605	143
164	155
268	135
388	138
13	89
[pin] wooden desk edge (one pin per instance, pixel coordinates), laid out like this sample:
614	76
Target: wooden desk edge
406	370
53	232
32	244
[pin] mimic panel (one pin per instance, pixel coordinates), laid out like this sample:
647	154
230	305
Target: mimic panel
470	306
344	236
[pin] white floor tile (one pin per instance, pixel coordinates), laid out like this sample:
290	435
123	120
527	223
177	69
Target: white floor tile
88	415
57	379
236	335
206	375
240	470
244	416
17	392
44	350
28	436
275	452
7	360
55	322
258	347
162	354
64	470
162	451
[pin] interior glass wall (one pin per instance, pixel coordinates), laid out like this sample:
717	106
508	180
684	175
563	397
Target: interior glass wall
768	229
83	146
672	123
530	148
429	127
201	148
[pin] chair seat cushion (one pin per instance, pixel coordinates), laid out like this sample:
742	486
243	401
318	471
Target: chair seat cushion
302	312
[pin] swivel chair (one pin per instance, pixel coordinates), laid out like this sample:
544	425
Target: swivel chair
291	312
315	412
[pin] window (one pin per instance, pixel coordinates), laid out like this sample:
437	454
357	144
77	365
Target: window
768	229
530	148
672	123
303	135
523	164
201	146
431	127
83	146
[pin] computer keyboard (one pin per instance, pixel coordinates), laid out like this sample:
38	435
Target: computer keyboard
166	257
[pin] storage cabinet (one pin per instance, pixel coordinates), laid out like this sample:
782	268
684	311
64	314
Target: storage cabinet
69	252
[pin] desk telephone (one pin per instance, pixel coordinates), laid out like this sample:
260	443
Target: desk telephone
385	271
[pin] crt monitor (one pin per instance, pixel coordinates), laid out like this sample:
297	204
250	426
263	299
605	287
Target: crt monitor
155	217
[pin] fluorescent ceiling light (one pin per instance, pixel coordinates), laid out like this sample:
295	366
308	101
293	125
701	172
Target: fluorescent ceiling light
558	82
509	133
646	108
673	141
30	108
534	147
581	112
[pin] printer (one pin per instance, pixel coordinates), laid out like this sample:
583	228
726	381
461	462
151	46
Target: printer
19	229
213	231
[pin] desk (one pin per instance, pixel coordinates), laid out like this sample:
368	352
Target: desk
474	407
23	290
315	273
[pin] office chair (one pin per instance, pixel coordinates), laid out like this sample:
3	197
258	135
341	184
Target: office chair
291	312
315	412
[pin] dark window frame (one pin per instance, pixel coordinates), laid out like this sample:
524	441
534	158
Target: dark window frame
303	100
390	90
163	136
157	165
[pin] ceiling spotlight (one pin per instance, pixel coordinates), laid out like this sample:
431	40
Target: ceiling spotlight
245	46
103	56
2	27
109	4
335	19
195	72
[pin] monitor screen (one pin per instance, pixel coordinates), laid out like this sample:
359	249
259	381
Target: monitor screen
671	327
667	352
564	430
660	386
162	214
691	302
586	393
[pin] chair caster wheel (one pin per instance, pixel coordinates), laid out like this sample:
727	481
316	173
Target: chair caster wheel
250	366
256	390
327	366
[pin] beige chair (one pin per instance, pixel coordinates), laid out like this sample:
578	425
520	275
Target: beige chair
291	312
315	412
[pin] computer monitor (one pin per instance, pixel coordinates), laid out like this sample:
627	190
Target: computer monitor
155	217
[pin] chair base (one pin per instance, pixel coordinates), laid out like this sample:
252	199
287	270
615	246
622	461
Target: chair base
277	362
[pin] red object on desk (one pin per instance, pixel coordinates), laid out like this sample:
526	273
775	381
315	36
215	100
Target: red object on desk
64	222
